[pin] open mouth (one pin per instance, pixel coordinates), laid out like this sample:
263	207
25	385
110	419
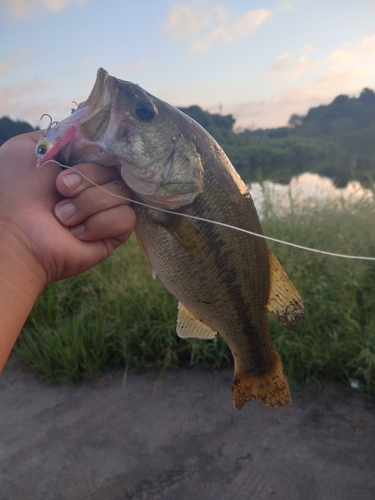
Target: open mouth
98	92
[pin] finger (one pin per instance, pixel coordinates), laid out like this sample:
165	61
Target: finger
117	222
74	180
73	211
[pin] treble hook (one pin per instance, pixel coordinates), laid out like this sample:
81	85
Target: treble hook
76	103
51	124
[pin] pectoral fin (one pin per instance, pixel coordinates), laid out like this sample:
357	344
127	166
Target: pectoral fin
284	301
190	326
187	235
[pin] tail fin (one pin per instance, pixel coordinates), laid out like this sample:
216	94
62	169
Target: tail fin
270	389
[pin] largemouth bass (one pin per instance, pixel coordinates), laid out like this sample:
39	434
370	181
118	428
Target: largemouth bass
224	279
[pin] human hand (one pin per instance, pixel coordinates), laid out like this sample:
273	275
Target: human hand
31	207
39	241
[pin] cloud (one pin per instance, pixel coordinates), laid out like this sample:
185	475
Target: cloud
309	81
228	34
275	110
307	48
142	63
368	44
185	21
280	62
284	6
342	57
15	59
222	13
249	22
121	69
19	102
55	5
345	78
349	62
303	64
297	63
36	8
306	81
204	44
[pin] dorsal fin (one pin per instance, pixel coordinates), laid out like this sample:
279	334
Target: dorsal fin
190	326
284	301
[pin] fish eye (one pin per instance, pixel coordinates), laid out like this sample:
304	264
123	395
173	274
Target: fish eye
145	110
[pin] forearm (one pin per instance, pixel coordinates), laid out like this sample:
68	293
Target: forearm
19	288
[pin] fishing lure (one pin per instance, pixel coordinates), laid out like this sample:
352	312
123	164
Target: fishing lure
57	134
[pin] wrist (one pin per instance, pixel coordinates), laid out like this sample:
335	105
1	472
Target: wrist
20	284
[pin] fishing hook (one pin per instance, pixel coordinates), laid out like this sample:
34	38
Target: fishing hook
74	102
51	123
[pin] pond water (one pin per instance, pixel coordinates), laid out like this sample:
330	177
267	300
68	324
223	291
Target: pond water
306	188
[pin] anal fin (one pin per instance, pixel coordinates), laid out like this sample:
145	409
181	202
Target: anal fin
190	326
284	301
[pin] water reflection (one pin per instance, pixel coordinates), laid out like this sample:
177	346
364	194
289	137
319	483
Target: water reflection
304	189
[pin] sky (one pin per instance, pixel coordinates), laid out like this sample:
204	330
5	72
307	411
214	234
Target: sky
260	61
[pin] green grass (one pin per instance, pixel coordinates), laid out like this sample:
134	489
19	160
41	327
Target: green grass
117	314
336	339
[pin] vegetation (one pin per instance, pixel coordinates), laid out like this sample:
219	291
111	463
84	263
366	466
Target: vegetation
9	128
344	115
116	313
336	140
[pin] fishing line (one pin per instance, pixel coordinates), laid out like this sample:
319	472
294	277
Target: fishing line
223	224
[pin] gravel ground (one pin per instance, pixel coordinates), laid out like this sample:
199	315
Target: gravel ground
176	436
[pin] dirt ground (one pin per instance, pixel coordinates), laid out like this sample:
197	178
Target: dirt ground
177	437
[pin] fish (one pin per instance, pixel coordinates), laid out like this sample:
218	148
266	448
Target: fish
224	279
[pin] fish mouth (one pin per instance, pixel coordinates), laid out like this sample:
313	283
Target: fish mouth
96	94
98	127
102	96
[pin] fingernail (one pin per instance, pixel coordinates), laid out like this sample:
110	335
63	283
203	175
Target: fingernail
65	212
72	181
78	230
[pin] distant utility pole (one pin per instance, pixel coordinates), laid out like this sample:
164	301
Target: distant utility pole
220	108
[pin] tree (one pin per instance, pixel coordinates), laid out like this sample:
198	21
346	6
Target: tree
10	128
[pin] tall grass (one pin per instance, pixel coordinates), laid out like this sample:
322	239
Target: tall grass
117	314
336	339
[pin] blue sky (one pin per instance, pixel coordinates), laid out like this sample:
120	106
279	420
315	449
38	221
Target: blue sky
261	60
